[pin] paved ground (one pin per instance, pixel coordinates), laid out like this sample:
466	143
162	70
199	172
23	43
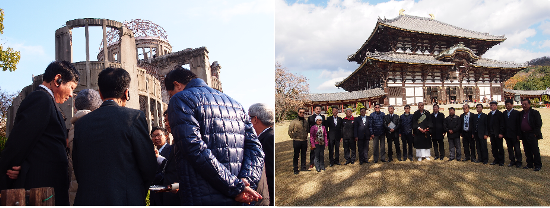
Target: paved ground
426	183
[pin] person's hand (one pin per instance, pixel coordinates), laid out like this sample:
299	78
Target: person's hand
500	136
371	137
356	138
156	153
391	130
484	136
450	131
248	194
312	148
14	172
472	136
399	135
341	139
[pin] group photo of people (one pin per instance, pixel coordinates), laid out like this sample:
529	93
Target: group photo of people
467	135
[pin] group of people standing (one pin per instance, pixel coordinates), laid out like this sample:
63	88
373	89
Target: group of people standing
421	130
217	155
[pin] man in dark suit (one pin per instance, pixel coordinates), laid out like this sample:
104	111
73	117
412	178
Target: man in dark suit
163	152
363	134
510	131
452	127
34	155
467	128
333	125
311	122
481	133
261	117
392	134
169	173
494	122
113	155
529	126
349	142
438	133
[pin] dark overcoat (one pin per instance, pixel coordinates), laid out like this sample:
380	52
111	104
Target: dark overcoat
438	129
37	143
334	131
113	156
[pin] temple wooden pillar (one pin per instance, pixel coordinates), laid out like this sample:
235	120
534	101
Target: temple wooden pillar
491	89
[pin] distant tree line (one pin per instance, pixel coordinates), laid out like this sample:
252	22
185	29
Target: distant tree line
535	77
542	61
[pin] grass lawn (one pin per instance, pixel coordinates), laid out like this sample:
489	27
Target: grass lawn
426	183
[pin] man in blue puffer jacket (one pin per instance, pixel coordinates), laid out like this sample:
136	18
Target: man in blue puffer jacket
219	158
377	125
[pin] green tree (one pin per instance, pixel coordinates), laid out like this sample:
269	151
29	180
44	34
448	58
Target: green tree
9	57
358	109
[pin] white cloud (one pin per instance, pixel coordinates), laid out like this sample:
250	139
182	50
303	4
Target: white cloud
308	37
27	50
545	27
327	74
545	44
330	84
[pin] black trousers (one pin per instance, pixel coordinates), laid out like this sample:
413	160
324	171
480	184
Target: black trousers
363	148
514	151
300	149
407	140
439	148
469	145
532	151
482	151
311	156
349	150
497	149
319	157
393	137
334	150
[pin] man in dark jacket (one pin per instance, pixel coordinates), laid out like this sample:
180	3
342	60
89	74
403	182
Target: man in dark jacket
529	126
363	134
467	128
34	155
219	158
511	123
333	125
121	172
348	137
392	124
494	122
452	127
311	122
378	130
481	133
261	117
438	133
405	132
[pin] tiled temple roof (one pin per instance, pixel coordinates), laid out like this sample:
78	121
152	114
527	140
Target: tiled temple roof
431	60
338	96
525	92
428	25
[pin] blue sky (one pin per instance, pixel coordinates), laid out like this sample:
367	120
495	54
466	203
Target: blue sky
314	38
238	34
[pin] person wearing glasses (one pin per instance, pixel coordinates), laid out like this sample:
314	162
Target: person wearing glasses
422	125
298	130
159	136
378	130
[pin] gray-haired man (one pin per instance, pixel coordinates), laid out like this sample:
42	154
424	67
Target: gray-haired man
261	117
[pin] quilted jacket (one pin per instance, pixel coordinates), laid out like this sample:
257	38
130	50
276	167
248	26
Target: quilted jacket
215	146
377	123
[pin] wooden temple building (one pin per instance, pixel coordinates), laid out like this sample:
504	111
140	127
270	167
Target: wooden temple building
415	59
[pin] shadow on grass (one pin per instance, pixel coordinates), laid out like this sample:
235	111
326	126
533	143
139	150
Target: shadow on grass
406	183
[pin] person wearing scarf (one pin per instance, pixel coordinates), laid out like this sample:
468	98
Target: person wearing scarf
318	137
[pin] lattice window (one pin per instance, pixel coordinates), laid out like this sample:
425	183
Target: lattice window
395	91
143	104
153	109
496	90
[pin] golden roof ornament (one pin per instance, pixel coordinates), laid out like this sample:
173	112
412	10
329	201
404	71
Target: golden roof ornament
401	12
432	16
